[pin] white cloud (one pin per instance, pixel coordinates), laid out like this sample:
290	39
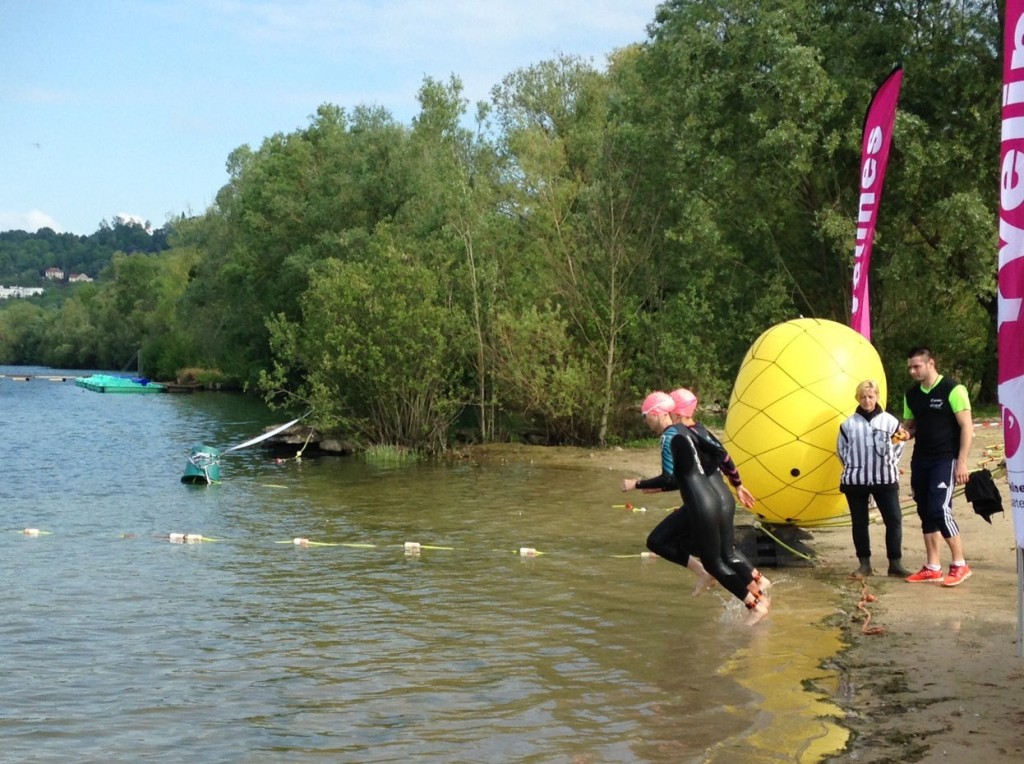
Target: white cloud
30	221
127	217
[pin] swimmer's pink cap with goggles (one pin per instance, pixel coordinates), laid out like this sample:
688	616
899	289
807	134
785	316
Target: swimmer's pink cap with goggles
657	403
685	402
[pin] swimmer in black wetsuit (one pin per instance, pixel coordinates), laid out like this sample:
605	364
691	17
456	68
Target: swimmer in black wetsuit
717	466
703	506
672	538
695	528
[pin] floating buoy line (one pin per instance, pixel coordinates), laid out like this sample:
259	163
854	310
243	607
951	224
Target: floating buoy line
411	548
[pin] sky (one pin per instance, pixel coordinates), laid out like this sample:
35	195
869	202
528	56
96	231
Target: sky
130	108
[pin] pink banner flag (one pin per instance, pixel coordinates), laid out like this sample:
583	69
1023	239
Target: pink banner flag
1011	258
875	144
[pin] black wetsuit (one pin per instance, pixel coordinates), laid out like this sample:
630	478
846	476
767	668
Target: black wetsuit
717	464
672	538
703	507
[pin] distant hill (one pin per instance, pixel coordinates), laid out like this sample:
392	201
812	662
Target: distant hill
24	257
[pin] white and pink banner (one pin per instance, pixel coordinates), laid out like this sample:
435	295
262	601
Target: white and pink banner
1011	259
878	124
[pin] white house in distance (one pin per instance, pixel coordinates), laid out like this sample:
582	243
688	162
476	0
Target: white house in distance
53	274
7	292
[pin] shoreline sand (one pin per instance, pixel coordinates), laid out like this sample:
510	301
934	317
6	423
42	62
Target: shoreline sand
943	680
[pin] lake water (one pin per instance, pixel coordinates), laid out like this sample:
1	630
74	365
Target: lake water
119	645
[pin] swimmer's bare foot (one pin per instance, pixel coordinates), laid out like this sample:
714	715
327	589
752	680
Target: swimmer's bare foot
758	585
704	582
757	609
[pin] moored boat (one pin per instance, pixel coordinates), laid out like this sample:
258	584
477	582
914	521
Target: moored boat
109	383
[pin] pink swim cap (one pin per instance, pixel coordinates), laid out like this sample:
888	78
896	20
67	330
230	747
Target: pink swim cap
685	402
657	403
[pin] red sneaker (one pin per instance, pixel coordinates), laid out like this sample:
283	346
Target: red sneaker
925	575
957	575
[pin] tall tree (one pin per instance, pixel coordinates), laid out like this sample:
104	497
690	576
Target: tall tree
377	342
300	199
579	198
455	180
758	108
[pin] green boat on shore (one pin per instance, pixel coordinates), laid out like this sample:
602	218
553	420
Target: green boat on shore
109	383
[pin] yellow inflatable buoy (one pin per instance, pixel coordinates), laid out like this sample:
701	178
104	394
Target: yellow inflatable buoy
794	388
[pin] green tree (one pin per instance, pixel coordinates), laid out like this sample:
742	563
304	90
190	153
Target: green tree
22	326
454	202
582	206
756	109
70	340
544	375
123	307
297	201
378	341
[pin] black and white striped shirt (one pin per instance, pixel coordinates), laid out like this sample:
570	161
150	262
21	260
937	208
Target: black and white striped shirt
866	449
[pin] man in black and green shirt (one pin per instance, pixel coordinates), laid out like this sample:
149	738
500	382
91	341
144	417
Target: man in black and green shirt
937	411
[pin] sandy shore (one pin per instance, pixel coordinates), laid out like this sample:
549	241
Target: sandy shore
942	682
939	678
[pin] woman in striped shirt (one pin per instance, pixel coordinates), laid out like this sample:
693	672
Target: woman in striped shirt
870	444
